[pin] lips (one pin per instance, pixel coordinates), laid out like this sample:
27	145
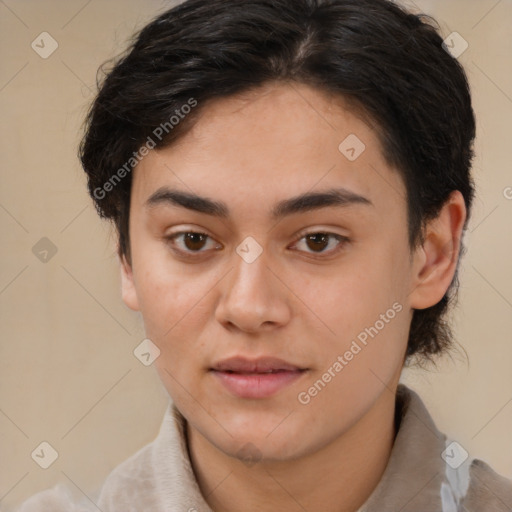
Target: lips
260	365
258	378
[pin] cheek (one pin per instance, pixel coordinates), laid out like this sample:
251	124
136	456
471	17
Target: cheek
358	364
175	311
363	311
174	306
164	290
351	297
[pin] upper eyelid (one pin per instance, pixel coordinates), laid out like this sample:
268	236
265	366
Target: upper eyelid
307	231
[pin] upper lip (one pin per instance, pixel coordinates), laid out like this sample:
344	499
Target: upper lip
259	365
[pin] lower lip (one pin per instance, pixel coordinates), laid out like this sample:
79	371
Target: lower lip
260	385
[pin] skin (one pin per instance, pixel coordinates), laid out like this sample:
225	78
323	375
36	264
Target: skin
302	302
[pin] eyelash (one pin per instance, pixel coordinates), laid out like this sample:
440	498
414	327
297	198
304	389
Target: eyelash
342	240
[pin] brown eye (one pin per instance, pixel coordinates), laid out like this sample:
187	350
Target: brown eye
318	241
322	243
194	241
190	242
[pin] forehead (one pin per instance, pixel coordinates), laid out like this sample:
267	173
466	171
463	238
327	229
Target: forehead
277	141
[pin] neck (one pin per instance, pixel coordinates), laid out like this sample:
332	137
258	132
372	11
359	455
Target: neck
339	477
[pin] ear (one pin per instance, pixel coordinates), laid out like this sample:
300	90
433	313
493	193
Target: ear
128	291
435	261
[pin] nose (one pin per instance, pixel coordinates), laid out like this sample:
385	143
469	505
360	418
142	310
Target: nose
253	298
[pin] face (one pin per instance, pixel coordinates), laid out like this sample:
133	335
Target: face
323	284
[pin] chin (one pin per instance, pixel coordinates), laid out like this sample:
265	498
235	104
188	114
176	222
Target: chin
278	446
253	452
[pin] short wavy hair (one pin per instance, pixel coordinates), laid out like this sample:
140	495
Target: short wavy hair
388	63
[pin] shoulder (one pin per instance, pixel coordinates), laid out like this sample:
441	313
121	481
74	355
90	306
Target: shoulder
421	453
154	478
128	483
487	489
56	499
131	483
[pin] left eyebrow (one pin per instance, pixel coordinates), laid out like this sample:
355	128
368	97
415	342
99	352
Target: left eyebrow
316	200
302	203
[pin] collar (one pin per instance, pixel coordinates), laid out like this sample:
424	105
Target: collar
160	476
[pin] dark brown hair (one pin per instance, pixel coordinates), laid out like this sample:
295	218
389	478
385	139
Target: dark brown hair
389	64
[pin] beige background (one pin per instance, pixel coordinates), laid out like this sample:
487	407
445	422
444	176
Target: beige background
68	373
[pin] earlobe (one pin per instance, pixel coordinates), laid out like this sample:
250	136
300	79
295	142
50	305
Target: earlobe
128	290
435	261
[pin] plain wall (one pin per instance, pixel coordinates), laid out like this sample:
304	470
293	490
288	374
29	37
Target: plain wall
67	369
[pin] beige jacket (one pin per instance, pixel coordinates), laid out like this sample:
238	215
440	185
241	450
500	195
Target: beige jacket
426	473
